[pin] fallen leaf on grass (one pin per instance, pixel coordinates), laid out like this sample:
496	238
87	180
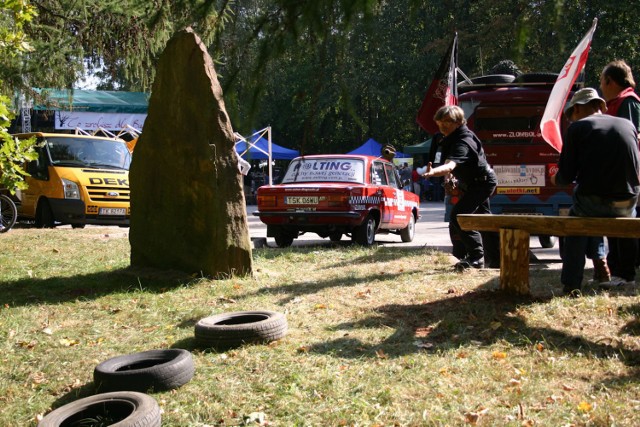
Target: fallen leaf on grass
319	307
381	354
473	417
424	331
498	355
495	325
585	407
68	342
303	349
514	382
567	387
47	331
364	294
254	418
28	345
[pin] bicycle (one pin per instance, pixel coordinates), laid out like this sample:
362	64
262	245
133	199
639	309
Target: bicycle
8	213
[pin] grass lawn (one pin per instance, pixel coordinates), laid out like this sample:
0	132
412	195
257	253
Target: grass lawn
377	337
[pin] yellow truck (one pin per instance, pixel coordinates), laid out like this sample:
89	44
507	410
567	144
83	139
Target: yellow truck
76	180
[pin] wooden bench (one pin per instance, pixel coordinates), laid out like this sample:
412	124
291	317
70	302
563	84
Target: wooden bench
515	231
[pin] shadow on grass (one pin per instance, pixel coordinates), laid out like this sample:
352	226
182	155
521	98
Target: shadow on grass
479	318
34	291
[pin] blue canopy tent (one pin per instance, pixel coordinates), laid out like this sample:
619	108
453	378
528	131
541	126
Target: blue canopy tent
373	148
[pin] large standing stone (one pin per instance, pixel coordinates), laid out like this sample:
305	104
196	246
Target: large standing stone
187	206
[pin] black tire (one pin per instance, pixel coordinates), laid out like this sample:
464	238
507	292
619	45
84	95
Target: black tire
119	409
8	213
156	370
365	233
234	329
335	237
44	215
547	241
407	234
78	225
283	240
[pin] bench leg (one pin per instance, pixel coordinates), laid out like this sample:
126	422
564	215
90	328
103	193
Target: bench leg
514	261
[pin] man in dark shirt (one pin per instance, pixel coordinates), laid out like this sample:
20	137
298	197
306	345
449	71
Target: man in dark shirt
600	153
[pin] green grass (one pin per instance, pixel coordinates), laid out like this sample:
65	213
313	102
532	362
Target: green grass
377	337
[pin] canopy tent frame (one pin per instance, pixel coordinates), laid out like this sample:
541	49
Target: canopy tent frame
255	139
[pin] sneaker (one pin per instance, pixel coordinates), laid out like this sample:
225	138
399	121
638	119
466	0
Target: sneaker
572	292
617	282
467	263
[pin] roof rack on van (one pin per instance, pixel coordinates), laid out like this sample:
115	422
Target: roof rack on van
541	79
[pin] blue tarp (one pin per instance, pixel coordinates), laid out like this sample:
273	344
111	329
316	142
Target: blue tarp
373	148
277	152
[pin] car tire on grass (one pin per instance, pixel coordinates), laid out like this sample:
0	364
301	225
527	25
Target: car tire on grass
234	329
365	233
118	409
407	234
155	370
283	240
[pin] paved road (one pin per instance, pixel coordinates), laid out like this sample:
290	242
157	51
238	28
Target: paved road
431	232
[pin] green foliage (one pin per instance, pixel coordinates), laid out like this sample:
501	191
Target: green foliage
14	16
326	75
13	153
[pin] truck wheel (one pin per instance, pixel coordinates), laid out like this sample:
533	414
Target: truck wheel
44	215
335	237
547	241
407	233
234	329
156	370
283	240
365	233
123	408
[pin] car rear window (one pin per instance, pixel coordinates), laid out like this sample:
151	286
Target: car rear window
325	170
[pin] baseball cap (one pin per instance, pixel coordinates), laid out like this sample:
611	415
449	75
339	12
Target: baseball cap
585	96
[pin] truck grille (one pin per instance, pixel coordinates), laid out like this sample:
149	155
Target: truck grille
108	194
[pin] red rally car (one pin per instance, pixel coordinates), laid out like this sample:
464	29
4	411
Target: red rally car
336	195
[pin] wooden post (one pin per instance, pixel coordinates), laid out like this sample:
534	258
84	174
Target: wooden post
514	261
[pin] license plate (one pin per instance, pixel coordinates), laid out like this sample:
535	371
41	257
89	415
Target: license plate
301	200
112	211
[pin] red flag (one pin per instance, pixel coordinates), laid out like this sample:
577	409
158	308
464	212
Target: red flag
550	123
442	91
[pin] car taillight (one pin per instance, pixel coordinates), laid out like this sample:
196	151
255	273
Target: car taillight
267	201
337	201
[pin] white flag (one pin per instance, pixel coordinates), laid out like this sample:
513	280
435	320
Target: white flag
550	124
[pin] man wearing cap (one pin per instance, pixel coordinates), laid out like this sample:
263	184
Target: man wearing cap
600	154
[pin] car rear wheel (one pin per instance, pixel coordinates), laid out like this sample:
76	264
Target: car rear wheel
365	233
407	233
283	240
335	237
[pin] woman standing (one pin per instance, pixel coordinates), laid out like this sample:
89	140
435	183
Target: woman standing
464	158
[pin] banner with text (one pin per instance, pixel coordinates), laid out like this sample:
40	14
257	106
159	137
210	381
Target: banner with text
71	120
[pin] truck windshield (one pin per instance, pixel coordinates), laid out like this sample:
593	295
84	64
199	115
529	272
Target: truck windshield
325	170
87	152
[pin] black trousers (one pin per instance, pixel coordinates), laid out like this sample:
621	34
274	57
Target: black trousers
475	200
